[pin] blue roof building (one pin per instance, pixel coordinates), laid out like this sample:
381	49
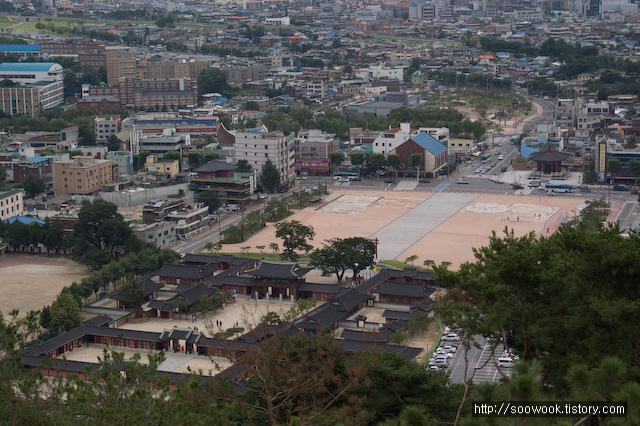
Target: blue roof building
27	220
21	49
434	154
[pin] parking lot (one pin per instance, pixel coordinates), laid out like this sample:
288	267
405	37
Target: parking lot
479	365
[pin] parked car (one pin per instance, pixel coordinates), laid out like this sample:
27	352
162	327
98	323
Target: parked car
451	336
517	185
621	188
449	348
534	184
439	363
504	361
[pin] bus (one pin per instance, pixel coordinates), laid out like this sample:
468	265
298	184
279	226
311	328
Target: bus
486	156
559	187
348	175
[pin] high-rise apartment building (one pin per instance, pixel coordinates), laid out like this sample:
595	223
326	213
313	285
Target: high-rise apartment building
259	145
120	63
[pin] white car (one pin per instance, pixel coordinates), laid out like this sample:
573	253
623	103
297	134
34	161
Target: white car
451	336
449	348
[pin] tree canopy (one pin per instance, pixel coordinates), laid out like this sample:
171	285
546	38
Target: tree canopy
339	255
270	176
294	237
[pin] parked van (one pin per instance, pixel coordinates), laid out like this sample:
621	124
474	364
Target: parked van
534	184
505	361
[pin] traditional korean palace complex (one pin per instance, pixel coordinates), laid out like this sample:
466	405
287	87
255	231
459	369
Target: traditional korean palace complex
174	291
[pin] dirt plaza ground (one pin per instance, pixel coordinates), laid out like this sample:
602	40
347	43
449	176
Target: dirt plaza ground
433	226
30	282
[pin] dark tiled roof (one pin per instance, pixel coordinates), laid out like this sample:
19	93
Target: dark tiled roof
319	288
198	259
549	156
423	307
215	166
99	321
388	313
160	305
85	330
364	336
148	287
186	271
404	289
176	333
278	270
194	293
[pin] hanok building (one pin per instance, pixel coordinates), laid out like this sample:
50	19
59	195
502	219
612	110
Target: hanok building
185	302
148	287
184	274
549	164
276	279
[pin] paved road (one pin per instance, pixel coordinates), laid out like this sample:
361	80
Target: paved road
479	359
402	233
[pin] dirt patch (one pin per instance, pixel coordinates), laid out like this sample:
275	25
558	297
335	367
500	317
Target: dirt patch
30	282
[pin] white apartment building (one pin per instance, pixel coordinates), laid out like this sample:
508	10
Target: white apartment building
380	71
47	76
259	145
106	126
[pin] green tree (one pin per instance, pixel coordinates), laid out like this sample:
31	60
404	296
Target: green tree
194	159
33	185
132	245
114	143
210	156
294	237
65	312
270	176
411	259
99	225
210	199
134	297
339	255
211	302
213	80
274	247
213	247
284	376
393	161
357	159
3	176
336	159
614	166
634	168
376	161
242	166
171	155
417	160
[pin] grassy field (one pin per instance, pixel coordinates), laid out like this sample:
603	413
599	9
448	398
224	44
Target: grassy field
5	22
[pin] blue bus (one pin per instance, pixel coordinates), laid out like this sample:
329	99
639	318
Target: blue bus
559	187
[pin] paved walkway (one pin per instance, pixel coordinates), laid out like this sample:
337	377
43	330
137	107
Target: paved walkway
409	228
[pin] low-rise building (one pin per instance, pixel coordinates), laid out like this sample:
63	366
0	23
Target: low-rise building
106	126
157	165
11	203
122	163
160	234
80	175
312	150
158	210
221	178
